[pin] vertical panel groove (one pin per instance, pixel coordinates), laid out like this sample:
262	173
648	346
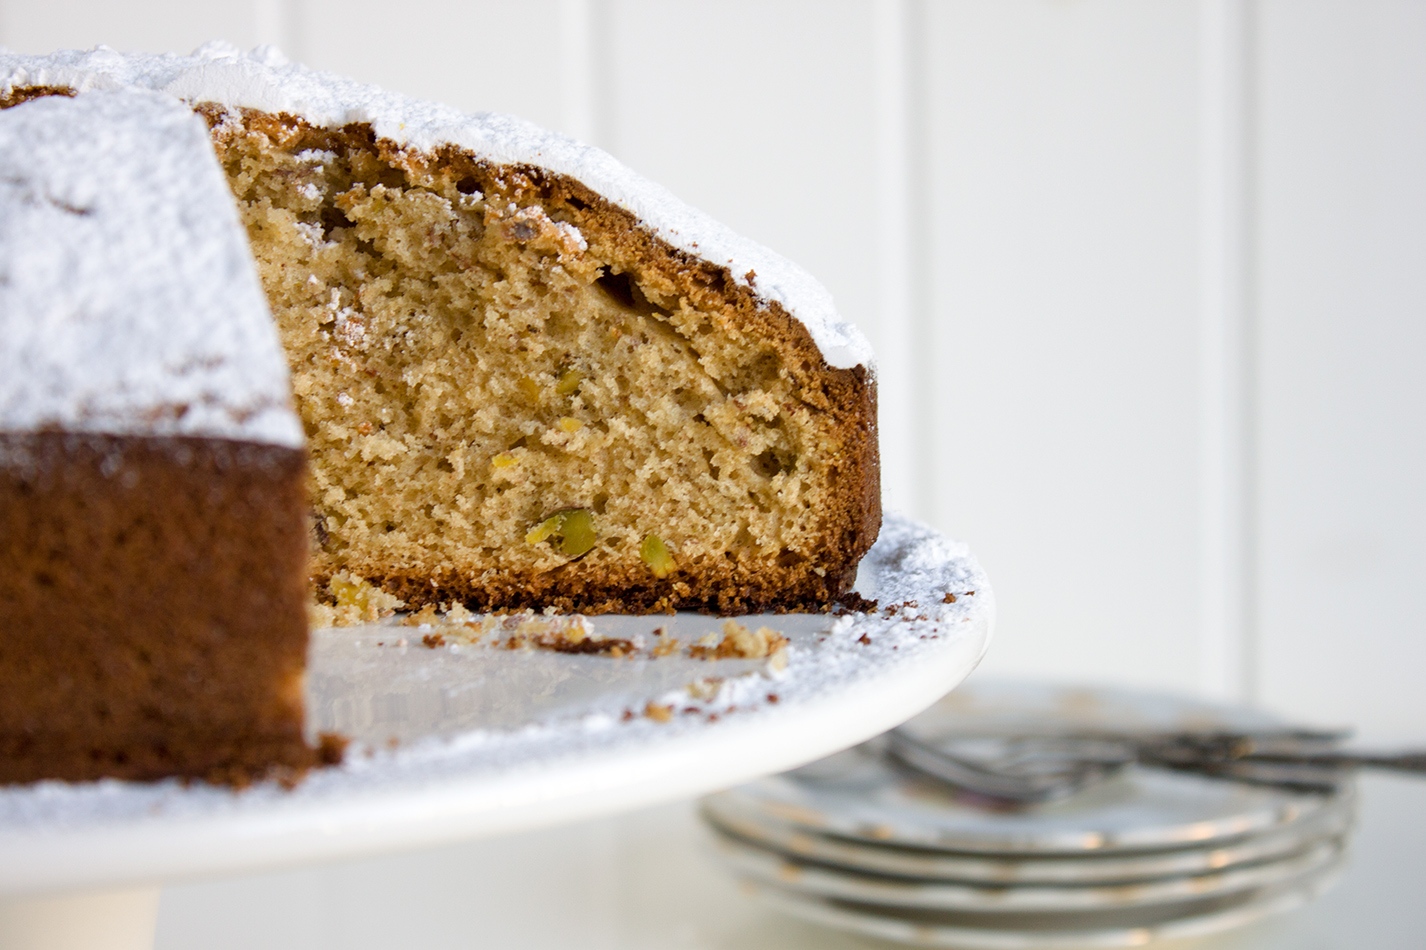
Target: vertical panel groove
900	144
1227	363
918	189
896	355
274	24
577	69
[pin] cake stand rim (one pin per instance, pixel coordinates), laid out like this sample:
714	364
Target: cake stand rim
563	789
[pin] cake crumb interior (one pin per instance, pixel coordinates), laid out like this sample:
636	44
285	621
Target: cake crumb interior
476	373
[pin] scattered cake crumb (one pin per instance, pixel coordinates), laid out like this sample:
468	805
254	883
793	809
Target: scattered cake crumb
706	688
349	600
852	602
664	645
456	613
331	748
658	713
560	633
424	617
738	643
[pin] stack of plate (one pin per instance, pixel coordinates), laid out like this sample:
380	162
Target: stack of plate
858	843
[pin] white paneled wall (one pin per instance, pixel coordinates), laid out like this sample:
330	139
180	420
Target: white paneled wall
1341	360
150	25
1148	279
482	55
1062	325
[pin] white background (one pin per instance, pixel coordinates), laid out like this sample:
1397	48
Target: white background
1147	279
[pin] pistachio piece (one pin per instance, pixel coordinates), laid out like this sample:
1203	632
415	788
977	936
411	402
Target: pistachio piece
504	460
577	534
656	555
543	530
569	424
569	382
573	526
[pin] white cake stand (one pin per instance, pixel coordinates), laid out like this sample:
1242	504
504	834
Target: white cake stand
474	740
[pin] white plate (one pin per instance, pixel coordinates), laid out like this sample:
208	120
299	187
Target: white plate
1333	821
755	864
493	740
968	931
857	794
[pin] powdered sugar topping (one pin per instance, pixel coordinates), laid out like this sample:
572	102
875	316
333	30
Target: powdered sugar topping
129	303
263	79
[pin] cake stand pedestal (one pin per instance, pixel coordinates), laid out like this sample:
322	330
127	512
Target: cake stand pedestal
464	740
101	920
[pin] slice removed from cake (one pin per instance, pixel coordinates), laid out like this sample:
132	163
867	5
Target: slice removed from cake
152	514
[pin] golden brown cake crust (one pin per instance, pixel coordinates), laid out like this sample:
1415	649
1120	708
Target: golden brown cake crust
154	619
25	93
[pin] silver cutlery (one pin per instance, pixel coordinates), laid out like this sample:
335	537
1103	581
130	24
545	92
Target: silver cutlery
1019	770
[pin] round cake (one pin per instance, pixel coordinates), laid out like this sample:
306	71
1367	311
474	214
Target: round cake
524	376
527	376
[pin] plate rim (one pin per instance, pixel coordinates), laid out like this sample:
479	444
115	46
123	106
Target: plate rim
746	861
1336	819
779	799
1277	901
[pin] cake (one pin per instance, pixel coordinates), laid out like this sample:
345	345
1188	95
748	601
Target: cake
152	514
526	376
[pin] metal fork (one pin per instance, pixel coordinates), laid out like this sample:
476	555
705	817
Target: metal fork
1014	770
1020	770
